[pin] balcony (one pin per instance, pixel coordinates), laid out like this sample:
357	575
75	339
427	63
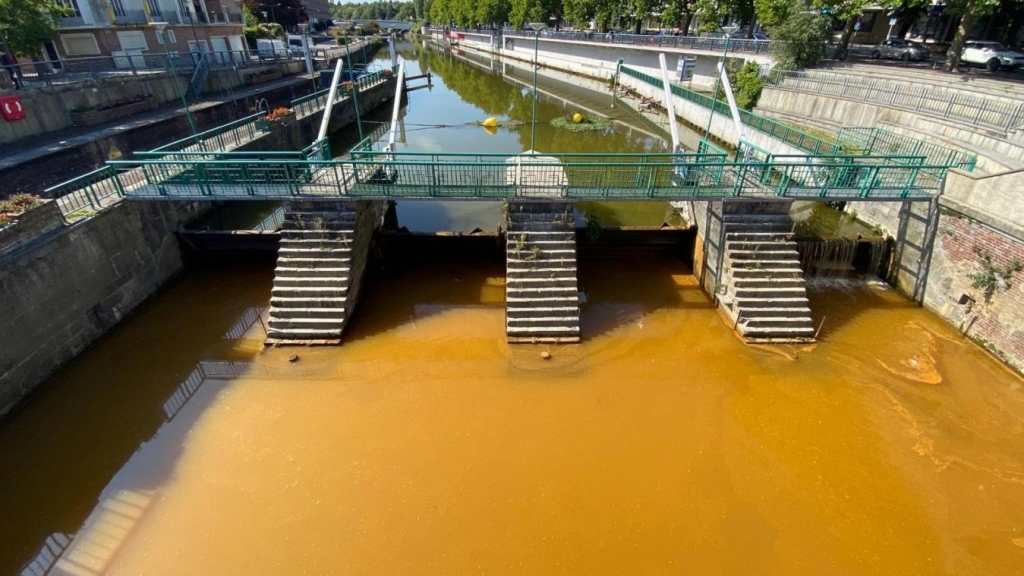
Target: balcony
71	21
131	17
231	18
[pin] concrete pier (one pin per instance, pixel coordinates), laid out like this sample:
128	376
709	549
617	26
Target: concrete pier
321	257
541	293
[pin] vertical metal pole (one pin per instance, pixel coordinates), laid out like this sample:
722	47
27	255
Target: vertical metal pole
533	126
177	88
355	99
714	95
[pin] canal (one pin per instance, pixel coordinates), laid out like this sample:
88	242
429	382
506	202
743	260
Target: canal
425	444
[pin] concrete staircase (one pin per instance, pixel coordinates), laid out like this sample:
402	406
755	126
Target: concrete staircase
541	294
310	298
765	296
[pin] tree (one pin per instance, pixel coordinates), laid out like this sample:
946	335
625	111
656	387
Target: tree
802	34
287	13
748	85
709	15
679	14
27	24
772	12
969	9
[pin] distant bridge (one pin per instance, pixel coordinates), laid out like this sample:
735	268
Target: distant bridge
387	24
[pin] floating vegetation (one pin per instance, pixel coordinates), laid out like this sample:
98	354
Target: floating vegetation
586	124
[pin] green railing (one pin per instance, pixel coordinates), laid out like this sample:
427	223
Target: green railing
879	141
312	103
704	174
773	128
219	139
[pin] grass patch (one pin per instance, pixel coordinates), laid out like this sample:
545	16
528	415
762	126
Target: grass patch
589	124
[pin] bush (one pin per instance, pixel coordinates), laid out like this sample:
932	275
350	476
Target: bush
748	86
801	38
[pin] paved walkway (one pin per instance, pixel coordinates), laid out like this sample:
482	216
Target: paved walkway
37	147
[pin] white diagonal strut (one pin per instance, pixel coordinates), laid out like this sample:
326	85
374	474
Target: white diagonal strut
668	104
330	101
399	86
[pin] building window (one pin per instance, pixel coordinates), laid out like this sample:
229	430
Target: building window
71	5
154	8
80	44
171	37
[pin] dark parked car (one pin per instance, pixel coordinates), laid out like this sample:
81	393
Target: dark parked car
901	50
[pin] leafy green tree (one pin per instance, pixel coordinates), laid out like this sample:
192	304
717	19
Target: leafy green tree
802	36
710	15
287	13
772	12
27	24
748	85
679	14
969	10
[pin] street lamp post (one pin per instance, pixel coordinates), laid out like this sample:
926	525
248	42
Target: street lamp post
537	27
160	27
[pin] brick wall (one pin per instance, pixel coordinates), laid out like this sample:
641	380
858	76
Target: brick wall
996	322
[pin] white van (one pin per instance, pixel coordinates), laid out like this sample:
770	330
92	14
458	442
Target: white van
295	44
268	48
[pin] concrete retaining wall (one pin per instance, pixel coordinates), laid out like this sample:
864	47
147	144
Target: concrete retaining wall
46	107
73	286
598	60
64	162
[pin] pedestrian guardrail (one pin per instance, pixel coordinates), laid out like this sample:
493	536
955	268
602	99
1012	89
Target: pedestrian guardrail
949	103
219	139
773	128
879	141
317	101
703	43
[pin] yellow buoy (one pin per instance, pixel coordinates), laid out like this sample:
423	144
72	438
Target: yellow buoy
491	122
577	118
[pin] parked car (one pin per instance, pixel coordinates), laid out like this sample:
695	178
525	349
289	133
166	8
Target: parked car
901	50
271	49
991	55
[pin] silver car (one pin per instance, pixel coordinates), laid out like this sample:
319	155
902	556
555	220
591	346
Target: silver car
901	50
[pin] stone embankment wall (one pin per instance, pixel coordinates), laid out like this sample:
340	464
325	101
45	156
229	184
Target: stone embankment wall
46	107
598	60
67	289
64	162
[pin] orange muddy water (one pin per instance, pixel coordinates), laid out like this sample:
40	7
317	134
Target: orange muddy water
426	445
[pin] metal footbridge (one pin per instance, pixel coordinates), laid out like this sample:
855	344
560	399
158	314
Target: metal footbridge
209	167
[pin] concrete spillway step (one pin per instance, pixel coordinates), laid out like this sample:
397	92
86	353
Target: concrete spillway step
284	271
796	282
777	322
532	310
793	302
774	311
313	262
328	323
306	302
285	313
309	301
765	290
786	256
758	246
762	272
541	290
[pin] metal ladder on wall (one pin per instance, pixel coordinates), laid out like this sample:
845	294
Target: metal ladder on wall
199	76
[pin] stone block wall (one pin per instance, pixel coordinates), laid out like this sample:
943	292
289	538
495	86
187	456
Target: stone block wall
65	162
71	287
